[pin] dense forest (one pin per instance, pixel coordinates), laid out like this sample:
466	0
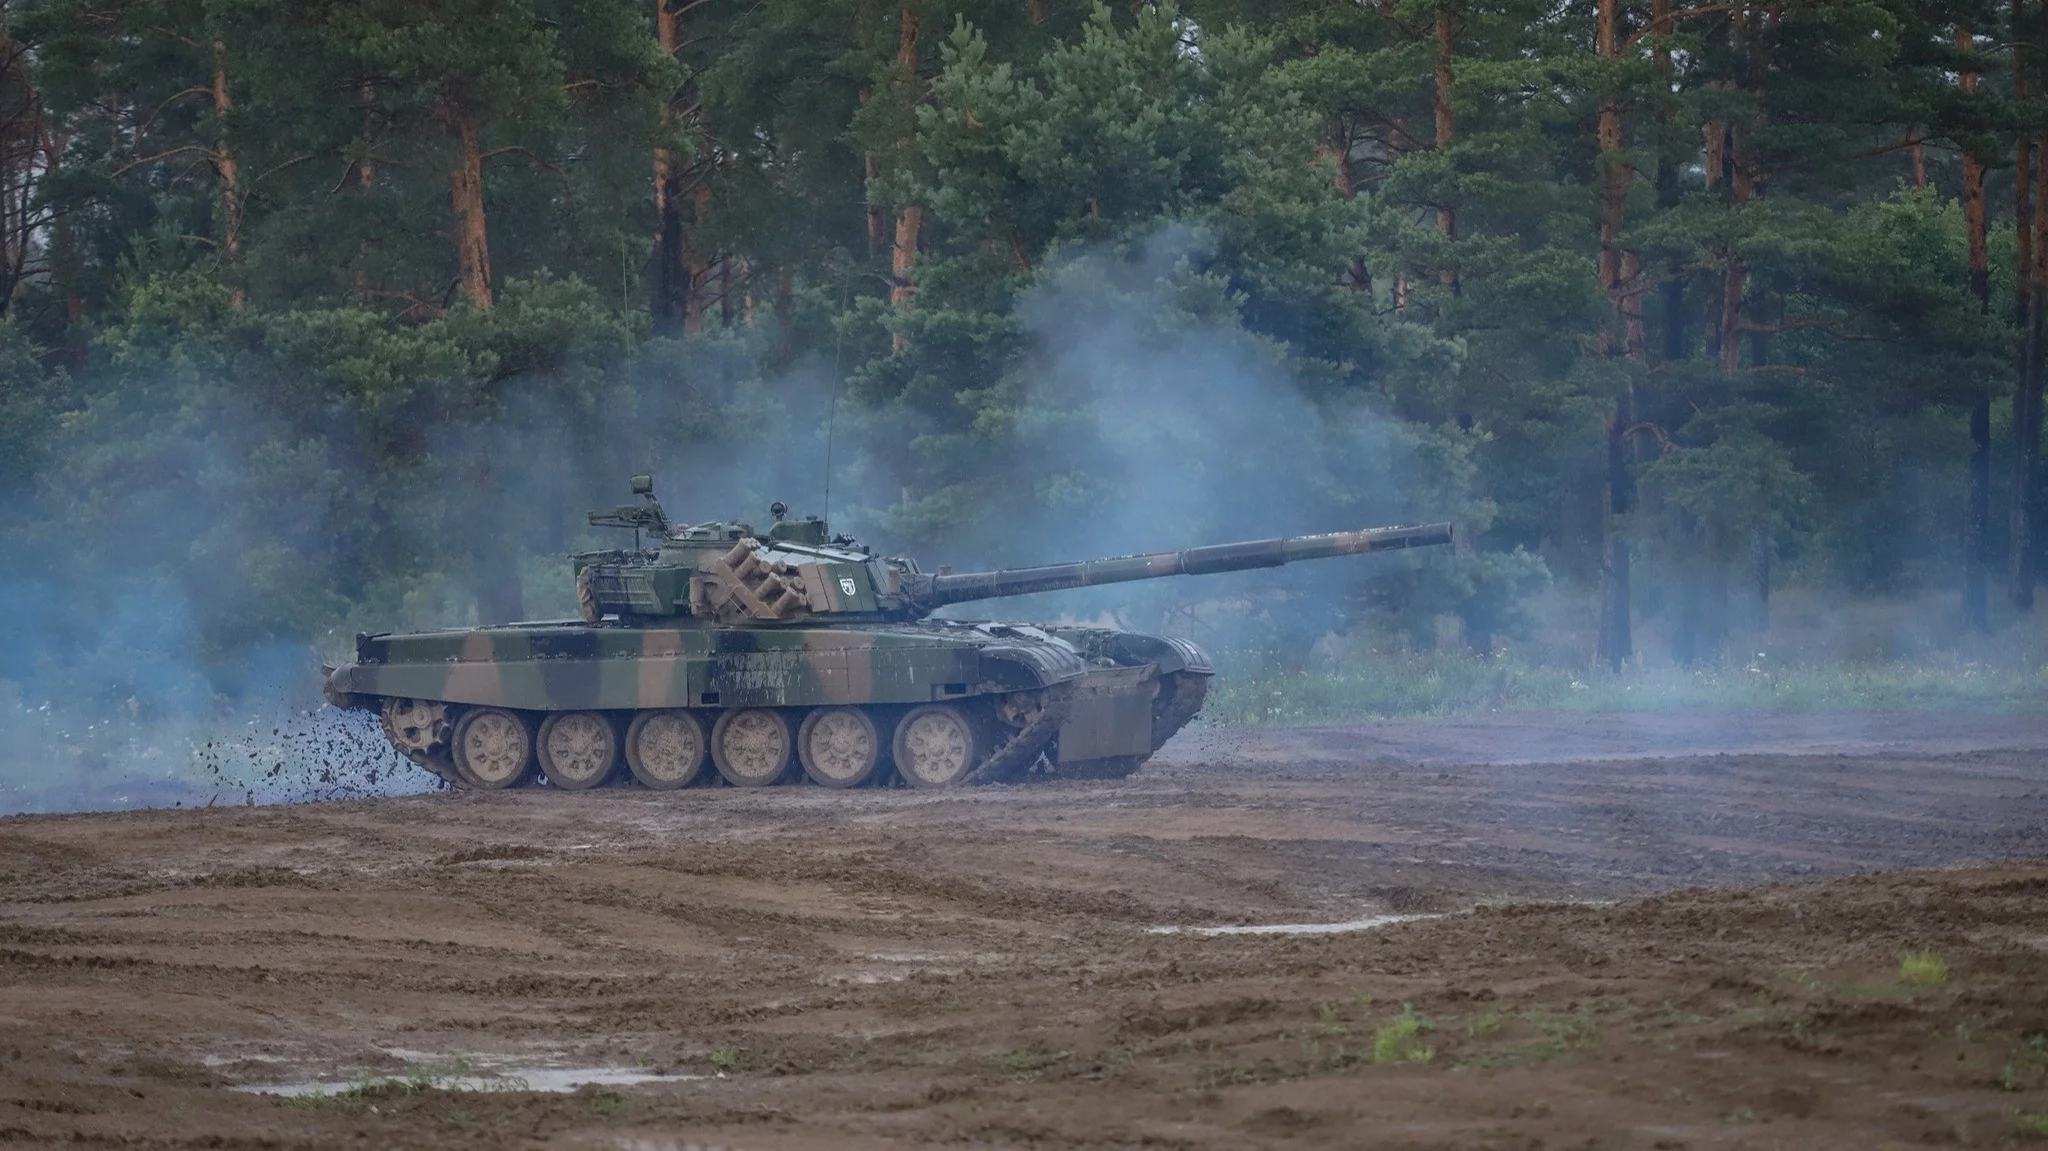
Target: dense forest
338	313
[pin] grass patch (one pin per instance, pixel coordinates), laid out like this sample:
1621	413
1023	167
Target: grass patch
2026	1069
365	1086
1400	1039
1530	1036
2030	1125
1027	1060
1923	969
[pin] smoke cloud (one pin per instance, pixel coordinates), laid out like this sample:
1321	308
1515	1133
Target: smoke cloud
161	657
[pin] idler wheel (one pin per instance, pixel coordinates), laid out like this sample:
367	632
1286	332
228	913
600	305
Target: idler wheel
494	748
579	750
666	749
839	746
752	746
936	745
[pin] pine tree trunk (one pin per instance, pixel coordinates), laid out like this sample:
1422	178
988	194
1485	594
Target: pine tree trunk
670	287
696	264
1616	641
466	194
2023	184
2026	401
227	170
1977	521
224	164
21	134
909	221
1977	513
64	265
1735	271
1667	186
903	264
1446	132
877	213
671	279
366	180
1699	638
785	317
725	308
1687	640
366	168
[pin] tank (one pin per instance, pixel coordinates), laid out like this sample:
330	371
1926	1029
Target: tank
712	651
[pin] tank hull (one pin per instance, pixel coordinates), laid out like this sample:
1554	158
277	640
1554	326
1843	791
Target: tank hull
1075	701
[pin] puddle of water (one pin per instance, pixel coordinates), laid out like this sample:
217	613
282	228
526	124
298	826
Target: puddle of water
1366	924
554	1080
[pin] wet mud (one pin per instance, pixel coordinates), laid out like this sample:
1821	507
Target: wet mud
1675	932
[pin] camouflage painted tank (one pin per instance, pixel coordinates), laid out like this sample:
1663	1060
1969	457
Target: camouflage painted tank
759	655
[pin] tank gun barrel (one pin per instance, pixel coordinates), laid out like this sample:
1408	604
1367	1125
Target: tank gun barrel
966	586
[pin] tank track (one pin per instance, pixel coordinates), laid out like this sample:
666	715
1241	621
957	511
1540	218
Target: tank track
1013	759
421	732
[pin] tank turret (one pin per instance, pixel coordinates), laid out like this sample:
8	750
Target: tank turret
725	572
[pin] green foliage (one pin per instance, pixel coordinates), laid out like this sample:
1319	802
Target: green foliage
1923	969
458	1074
1176	273
1399	1040
30	401
2026	1067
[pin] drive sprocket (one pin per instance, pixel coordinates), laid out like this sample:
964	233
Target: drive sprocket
421	731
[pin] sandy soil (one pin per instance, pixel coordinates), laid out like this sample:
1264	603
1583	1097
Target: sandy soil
1596	965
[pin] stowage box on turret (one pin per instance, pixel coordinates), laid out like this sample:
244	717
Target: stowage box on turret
760	654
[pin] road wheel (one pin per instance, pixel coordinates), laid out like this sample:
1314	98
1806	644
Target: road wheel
839	746
494	748
936	745
579	750
666	749
752	746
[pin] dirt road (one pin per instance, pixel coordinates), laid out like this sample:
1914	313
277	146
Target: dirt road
806	969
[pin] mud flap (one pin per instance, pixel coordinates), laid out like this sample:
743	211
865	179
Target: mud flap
1111	714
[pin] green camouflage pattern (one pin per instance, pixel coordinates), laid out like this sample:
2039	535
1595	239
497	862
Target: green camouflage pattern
716	621
557	666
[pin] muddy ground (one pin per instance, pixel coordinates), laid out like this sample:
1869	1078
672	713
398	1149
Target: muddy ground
1675	931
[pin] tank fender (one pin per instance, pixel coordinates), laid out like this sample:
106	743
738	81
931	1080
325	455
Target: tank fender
1029	666
339	685
1170	653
